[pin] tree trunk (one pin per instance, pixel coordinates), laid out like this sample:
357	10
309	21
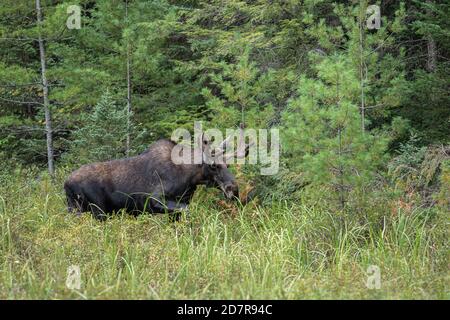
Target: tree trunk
431	46
361	72
48	120
128	104
128	146
431	56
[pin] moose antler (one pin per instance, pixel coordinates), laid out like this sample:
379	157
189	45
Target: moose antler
218	153
241	151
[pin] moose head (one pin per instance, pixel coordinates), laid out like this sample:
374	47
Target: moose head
215	163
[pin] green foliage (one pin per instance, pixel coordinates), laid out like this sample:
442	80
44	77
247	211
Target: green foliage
425	95
323	135
409	159
443	197
421	170
216	60
241	96
102	135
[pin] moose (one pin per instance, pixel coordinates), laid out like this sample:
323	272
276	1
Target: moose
149	182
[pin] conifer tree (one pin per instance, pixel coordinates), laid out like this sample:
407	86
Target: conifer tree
103	133
323	137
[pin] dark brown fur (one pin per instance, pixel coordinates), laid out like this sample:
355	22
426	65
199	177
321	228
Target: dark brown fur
148	182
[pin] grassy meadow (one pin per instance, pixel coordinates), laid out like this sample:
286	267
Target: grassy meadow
280	251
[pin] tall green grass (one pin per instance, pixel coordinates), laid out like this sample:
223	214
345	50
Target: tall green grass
280	251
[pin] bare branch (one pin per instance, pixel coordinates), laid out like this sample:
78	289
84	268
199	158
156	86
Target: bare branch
19	39
15	85
21	102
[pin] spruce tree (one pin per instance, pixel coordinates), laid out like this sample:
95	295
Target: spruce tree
103	133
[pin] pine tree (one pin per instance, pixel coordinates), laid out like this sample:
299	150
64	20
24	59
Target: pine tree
241	94
323	137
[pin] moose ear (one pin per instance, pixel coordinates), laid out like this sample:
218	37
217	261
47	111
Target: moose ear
204	145
203	142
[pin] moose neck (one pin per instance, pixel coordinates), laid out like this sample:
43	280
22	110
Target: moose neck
198	175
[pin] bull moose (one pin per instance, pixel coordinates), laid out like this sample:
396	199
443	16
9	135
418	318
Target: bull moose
150	182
